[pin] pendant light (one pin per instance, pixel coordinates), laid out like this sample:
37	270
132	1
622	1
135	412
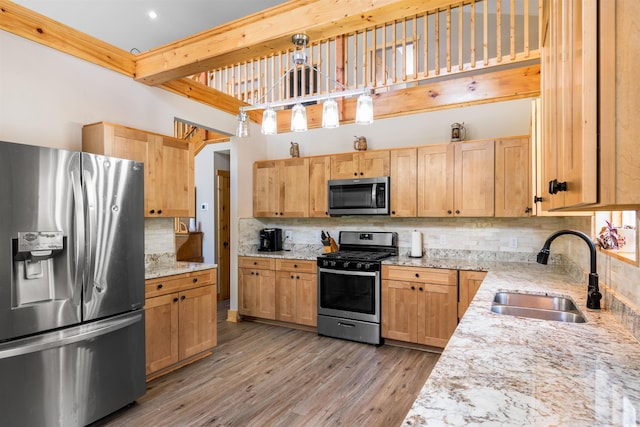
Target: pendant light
269	122
330	115
298	118
364	110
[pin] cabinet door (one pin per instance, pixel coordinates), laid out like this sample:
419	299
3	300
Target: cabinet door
399	310
161	329
469	283
435	180
248	284
266	295
174	184
404	182
513	178
197	320
286	296
294	187
474	180
372	164
437	313
344	166
266	189
307	299
319	174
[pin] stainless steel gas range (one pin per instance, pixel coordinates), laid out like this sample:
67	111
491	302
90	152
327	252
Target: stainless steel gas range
349	286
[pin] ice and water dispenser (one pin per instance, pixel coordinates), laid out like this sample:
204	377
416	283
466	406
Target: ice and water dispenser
36	260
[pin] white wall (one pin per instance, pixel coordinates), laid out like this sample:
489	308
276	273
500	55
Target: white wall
47	96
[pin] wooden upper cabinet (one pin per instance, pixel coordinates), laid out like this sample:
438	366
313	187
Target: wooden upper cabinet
456	179
363	164
513	178
319	173
435	180
266	189
570	104
281	188
169	175
474	179
403	191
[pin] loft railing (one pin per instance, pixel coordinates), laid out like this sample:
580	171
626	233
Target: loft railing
465	36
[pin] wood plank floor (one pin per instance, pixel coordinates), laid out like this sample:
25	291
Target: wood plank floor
264	375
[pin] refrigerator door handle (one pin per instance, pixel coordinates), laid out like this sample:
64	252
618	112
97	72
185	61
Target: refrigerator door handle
64	338
90	227
79	242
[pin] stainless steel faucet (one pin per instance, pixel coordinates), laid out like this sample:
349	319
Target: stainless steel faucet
593	292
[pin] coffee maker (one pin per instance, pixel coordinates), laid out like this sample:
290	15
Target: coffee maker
270	240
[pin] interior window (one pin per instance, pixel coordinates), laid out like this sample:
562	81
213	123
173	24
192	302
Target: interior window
616	233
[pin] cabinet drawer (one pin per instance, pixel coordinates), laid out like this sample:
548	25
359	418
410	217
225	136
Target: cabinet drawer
303	266
257	262
178	282
418	274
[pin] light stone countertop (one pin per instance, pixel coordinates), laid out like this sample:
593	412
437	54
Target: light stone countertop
513	371
162	269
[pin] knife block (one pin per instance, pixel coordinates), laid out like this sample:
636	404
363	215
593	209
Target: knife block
332	247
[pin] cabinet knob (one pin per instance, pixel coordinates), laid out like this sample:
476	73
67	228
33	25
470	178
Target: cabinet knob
326	213
528	210
195	280
555	186
536	199
252	273
355	174
420	289
413	288
457	211
361	173
417	274
255	262
297	277
292	276
175	300
152	211
449	212
159	211
295	265
280	213
257	274
393	212
182	298
159	285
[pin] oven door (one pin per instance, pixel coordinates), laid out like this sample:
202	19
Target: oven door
349	294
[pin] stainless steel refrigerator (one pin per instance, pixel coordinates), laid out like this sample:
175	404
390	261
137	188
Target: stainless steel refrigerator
72	344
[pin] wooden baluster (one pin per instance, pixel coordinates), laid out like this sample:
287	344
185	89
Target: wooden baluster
512	30
384	54
394	63
498	31
472	34
437	43
460	35
425	32
526	27
448	31
403	31
485	32
415	48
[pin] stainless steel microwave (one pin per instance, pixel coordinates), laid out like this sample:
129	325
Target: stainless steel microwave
359	196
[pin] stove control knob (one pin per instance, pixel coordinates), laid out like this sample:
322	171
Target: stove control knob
367	265
359	266
346	264
333	263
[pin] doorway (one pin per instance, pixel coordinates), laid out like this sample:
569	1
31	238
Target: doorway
223	220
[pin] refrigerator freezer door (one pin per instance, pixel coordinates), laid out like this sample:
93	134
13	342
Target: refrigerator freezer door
74	376
40	272
114	194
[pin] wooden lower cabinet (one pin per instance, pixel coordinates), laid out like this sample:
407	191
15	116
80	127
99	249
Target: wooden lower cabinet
180	320
419	305
469	282
282	289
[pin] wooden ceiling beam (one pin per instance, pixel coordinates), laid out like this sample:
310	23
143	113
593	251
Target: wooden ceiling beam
269	32
38	28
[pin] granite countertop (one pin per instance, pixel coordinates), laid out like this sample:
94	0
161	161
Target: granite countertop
513	371
169	268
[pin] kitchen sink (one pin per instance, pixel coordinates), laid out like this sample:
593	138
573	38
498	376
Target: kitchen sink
545	307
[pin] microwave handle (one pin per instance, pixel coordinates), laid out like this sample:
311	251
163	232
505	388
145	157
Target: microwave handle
379	196
374	195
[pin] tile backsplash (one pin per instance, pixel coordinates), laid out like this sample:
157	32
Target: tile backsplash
159	240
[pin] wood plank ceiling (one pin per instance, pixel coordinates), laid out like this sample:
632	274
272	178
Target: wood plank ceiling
259	34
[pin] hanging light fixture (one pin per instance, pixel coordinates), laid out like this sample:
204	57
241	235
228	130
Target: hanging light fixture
243	125
269	122
330	113
298	118
364	110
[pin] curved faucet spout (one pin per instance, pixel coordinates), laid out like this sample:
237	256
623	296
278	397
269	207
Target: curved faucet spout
593	292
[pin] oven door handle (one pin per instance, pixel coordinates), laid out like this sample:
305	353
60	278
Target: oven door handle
348	273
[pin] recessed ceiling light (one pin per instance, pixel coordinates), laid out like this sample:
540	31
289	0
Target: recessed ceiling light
152	14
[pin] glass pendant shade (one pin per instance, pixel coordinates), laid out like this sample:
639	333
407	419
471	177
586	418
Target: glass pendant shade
364	110
298	118
243	126
330	116
269	122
